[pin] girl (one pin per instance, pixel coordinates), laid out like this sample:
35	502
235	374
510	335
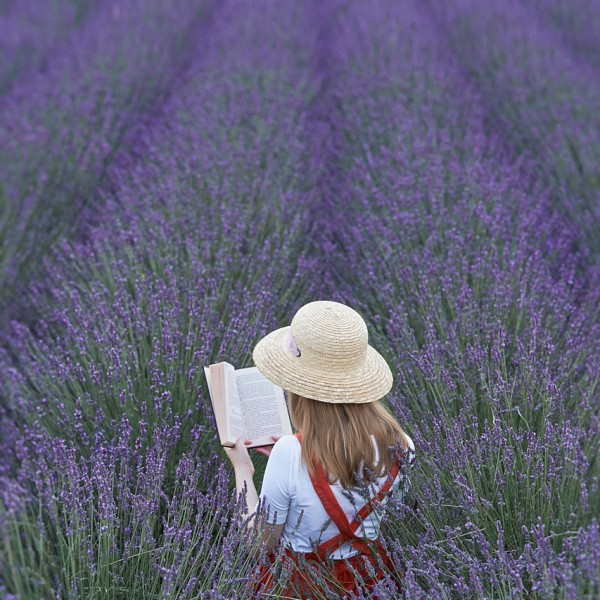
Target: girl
322	487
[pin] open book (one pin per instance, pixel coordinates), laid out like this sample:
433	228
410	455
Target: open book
246	404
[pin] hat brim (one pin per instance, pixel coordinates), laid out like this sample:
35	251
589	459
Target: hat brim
369	383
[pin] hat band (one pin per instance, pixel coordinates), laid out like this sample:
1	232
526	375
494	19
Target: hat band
291	346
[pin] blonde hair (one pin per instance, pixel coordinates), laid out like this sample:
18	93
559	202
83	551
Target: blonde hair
338	437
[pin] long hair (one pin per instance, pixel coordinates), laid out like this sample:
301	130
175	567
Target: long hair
338	437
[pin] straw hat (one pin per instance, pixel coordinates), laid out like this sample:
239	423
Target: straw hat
325	355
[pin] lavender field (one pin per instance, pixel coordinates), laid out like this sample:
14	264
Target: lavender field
178	178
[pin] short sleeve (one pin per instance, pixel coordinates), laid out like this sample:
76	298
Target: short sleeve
410	456
278	485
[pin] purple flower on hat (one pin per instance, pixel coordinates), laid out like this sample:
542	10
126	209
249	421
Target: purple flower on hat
291	344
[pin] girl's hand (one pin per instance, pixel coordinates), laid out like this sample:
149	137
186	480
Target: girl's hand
238	455
266	450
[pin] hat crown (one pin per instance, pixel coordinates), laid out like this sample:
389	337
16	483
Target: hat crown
325	355
330	336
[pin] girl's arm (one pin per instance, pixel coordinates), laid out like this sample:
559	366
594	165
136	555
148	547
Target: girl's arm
243	468
244	479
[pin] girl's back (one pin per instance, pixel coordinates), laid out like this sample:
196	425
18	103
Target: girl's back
290	498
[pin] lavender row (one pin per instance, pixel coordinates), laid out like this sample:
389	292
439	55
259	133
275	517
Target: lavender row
62	128
199	253
576	23
31	31
541	95
448	231
194	223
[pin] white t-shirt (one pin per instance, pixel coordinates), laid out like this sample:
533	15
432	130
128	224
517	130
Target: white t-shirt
290	498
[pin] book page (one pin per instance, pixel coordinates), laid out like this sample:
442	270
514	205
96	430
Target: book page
210	386
235	419
215	377
263	407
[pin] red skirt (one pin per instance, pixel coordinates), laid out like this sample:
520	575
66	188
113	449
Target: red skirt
300	575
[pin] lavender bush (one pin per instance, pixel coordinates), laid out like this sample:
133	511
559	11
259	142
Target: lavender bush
30	31
124	529
359	152
577	23
63	127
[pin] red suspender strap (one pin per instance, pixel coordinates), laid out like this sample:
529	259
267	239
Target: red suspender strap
330	503
368	508
337	514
